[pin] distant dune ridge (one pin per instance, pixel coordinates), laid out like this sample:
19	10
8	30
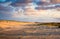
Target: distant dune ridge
16	25
4	23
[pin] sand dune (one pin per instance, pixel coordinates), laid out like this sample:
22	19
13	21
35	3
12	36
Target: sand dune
27	30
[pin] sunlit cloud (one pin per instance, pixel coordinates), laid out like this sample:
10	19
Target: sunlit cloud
27	12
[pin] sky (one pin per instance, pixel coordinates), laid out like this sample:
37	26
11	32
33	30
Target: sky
20	10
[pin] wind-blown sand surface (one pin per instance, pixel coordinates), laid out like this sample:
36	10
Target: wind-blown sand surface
27	30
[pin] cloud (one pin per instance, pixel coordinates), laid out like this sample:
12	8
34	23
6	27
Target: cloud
6	10
17	11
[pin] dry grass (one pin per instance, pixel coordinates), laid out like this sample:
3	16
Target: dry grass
22	30
13	23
